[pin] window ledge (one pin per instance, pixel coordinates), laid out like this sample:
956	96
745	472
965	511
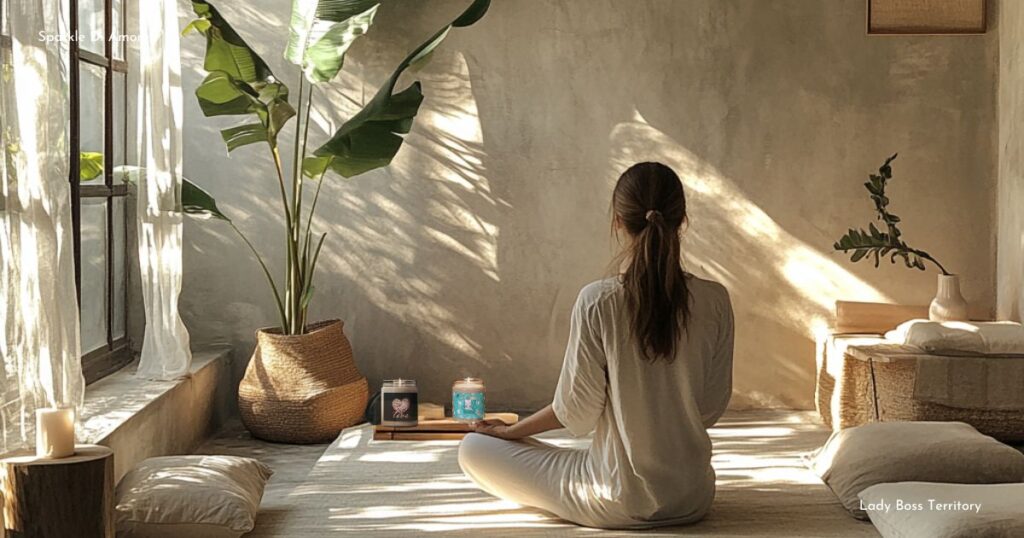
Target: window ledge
112	402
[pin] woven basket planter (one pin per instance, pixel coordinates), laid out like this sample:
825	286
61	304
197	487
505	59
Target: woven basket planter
302	389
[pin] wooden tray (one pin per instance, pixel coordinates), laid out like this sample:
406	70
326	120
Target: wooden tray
446	429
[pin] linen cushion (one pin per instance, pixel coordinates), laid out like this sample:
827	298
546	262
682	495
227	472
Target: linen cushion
879	452
193	496
907	509
961	337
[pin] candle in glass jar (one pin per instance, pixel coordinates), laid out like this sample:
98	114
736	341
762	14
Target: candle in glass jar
55	432
468	399
399	402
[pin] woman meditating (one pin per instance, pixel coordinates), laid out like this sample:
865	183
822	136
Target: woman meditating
648	369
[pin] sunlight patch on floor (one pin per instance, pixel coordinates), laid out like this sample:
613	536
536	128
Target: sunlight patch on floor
460	509
351	490
746	433
400	456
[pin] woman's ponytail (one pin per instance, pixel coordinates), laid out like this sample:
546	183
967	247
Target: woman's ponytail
649	203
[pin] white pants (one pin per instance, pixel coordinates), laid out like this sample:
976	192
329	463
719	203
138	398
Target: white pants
533	473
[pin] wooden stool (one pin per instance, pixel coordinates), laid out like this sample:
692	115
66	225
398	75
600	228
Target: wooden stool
59	498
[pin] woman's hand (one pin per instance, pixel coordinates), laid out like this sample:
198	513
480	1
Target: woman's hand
539	422
495	428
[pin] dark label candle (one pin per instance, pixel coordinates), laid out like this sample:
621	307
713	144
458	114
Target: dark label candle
399	402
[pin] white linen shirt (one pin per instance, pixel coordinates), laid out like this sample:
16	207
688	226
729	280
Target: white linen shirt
650	459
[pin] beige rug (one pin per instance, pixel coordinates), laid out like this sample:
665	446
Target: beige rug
360	487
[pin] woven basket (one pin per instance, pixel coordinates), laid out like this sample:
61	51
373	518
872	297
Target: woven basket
847	402
302	389
896	402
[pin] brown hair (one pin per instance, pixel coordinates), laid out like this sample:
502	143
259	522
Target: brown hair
648	202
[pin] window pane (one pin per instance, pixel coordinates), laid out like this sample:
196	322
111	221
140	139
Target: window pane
117	28
120	267
91	124
120	114
94	274
90	25
5	27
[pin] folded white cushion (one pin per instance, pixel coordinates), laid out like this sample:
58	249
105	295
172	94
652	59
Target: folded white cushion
961	337
907	509
855	459
193	496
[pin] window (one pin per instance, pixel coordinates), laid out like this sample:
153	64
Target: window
5	30
98	144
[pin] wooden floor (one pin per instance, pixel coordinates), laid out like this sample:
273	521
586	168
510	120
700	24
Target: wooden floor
360	487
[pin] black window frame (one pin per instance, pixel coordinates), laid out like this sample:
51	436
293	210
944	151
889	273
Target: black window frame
116	353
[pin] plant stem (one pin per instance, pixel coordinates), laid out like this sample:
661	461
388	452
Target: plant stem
290	283
300	261
296	178
925	256
307	267
295	266
266	272
309	282
894	250
312	208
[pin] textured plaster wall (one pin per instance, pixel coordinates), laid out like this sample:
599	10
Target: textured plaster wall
1010	255
465	256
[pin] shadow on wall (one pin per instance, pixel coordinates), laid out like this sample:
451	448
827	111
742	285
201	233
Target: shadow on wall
414	254
776	281
411	250
464	256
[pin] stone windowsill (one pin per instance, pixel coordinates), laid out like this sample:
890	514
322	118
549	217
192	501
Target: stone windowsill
112	401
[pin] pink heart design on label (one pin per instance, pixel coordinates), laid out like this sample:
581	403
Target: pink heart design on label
401	407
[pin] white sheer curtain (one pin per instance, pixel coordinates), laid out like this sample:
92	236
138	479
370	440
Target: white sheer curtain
165	347
41	361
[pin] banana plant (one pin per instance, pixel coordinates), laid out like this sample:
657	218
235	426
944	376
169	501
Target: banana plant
240	83
877	244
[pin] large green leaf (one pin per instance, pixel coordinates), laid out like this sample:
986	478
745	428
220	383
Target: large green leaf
250	133
239	82
196	201
90	165
322	32
372	137
221	95
226	50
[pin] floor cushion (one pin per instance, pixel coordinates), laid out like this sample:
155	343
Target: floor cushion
855	459
910	509
190	496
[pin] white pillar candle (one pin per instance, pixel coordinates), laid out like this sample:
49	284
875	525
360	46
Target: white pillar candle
55	432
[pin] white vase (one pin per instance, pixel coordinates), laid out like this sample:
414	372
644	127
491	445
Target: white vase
948	304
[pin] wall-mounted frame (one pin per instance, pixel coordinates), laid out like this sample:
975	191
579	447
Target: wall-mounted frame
926	17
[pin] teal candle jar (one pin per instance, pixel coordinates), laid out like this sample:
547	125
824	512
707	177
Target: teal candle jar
468	399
